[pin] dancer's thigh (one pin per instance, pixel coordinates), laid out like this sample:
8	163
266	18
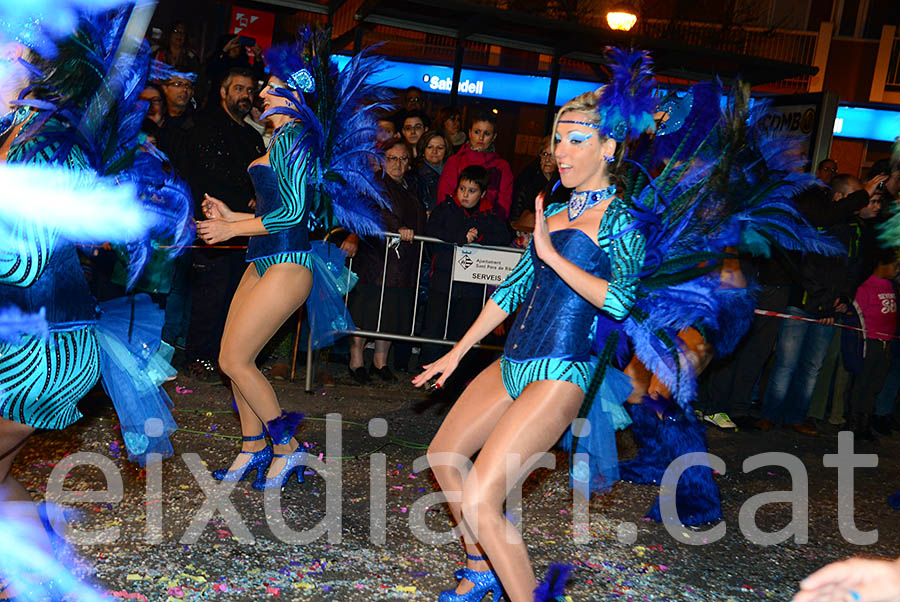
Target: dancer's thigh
473	416
248	280
12	438
529	427
262	308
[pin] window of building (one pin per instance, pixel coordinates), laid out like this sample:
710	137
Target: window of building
881	12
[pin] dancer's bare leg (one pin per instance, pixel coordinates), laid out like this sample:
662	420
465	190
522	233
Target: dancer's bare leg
531	425
12	439
251	425
253	319
463	432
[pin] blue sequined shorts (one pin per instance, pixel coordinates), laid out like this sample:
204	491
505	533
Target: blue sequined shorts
264	263
518	375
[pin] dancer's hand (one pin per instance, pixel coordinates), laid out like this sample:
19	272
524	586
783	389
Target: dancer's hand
543	246
443	366
214	231
213	208
859	579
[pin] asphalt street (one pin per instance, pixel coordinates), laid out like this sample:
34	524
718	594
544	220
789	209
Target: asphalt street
166	539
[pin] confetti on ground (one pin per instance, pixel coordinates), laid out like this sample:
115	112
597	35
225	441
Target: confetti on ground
212	564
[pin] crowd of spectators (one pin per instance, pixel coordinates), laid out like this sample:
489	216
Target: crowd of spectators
830	360
443	178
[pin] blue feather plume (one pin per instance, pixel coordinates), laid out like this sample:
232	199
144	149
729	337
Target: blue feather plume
92	89
281	429
161	72
727	186
627	103
37	23
553	587
660	442
165	199
334	130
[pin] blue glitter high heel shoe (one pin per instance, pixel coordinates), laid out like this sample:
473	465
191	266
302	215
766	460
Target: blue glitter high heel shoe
296	462
281	430
483	581
259	461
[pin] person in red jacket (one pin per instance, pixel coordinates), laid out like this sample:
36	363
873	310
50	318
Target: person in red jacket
482	133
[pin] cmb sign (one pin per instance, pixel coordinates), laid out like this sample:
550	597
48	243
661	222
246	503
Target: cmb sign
483	266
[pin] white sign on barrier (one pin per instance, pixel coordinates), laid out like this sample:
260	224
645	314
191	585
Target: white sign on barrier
483	266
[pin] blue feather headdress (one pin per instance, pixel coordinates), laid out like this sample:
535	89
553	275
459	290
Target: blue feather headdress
334	113
626	103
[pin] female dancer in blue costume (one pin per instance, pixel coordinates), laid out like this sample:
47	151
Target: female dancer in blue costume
285	269
42	378
274	286
615	274
582	261
42	381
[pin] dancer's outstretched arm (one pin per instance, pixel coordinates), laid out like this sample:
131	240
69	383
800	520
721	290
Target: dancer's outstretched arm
490	317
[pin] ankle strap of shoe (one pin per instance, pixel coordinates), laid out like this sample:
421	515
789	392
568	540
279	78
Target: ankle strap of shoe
475	558
262	435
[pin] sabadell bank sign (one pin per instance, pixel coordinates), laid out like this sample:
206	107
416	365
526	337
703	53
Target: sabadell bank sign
443	84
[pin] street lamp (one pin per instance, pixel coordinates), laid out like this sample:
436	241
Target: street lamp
622	17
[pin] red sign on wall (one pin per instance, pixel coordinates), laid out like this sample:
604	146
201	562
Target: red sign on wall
255	24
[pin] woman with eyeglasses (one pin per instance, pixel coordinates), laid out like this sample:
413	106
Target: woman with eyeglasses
156	111
405	216
536	177
175	50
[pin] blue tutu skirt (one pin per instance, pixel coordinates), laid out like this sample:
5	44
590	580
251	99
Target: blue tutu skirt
329	319
595	461
134	363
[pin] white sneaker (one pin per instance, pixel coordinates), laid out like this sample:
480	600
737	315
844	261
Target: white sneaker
721	420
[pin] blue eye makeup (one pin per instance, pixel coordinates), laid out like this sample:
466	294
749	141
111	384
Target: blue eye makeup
579	137
557	138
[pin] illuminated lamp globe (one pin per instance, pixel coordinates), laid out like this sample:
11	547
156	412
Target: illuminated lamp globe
621	19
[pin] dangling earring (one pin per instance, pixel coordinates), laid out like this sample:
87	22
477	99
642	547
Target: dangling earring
609	158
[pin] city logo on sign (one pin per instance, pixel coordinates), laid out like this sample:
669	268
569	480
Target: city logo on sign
243	21
465	261
444	84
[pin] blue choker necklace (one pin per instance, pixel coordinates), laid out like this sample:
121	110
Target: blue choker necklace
580	202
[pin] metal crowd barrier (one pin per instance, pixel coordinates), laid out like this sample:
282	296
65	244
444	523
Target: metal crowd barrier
411	337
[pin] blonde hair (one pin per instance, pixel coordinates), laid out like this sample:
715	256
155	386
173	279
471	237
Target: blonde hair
584	103
587	103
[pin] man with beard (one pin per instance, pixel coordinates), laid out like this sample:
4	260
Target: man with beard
221	147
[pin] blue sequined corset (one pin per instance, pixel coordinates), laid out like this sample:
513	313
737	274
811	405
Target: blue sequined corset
555	321
268	199
61	289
